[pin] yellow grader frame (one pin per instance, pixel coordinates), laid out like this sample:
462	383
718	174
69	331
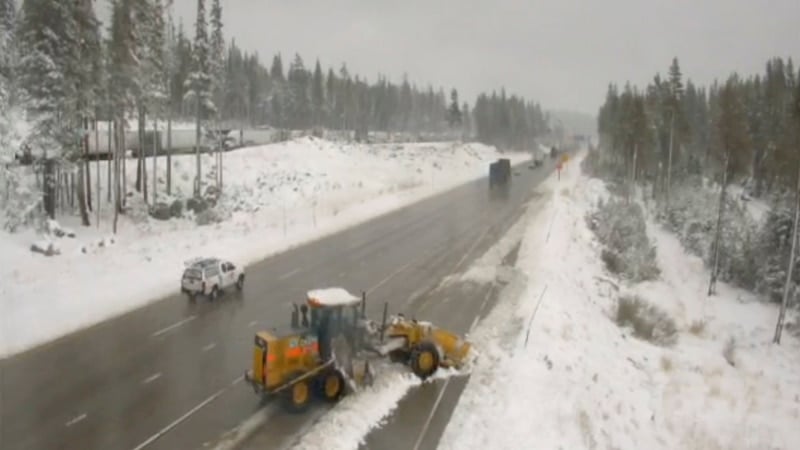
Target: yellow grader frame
329	354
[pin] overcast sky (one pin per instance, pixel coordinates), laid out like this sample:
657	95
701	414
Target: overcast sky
562	53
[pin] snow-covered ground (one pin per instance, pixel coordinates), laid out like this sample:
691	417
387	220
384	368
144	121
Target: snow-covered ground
565	375
275	197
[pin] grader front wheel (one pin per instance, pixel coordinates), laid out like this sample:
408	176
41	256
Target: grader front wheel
424	359
331	385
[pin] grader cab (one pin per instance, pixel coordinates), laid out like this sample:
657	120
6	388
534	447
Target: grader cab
328	347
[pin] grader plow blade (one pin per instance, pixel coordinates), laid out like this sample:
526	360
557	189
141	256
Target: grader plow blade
454	349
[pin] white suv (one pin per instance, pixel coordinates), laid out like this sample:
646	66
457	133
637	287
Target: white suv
210	276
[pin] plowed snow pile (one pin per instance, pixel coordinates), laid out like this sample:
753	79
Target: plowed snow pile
582	381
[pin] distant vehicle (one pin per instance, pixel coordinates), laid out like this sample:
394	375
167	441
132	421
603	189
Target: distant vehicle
500	175
500	178
210	277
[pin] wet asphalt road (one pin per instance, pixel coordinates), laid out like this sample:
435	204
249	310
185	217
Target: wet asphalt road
168	375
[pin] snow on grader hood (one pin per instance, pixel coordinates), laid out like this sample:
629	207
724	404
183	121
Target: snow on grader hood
327	349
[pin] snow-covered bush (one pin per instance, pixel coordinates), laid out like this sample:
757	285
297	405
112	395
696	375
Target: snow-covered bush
621	228
212	215
20	199
648	321
692	215
600	165
774	243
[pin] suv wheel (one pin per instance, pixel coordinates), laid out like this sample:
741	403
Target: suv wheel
214	293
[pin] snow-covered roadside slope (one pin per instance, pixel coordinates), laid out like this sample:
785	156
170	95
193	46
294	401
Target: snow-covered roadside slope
583	382
275	197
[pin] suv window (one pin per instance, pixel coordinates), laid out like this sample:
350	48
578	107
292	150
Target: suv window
211	271
193	273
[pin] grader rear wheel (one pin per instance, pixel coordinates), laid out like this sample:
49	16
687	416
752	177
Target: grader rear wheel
424	359
297	397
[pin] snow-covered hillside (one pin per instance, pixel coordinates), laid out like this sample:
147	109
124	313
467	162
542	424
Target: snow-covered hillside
274	197
570	377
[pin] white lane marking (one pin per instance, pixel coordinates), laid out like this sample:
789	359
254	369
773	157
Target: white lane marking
182	418
430	416
486	300
289	274
474	323
209	347
391	275
173	326
480	312
471	249
75	420
246	429
252	324
152	378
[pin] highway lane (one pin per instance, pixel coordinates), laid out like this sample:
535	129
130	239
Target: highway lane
423	411
422	415
123	382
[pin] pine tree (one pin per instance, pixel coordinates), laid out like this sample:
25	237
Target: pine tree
454	113
170	66
47	72
8	62
199	85
216	59
8	20
673	105
318	96
298	101
733	143
216	70
122	88
88	77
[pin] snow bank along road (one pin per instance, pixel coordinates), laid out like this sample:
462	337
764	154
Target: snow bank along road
169	375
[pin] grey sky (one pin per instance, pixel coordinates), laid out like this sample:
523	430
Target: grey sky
561	53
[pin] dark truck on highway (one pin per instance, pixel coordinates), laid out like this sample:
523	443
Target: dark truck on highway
500	175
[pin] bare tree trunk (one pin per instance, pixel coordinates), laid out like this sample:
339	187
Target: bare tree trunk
97	168
197	148
112	156
718	235
143	151
117	201
87	172
138	184
72	189
50	186
221	156
156	141
81	194
790	270
169	153
124	155
669	158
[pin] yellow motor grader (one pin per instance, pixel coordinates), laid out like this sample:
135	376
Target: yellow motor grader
327	354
